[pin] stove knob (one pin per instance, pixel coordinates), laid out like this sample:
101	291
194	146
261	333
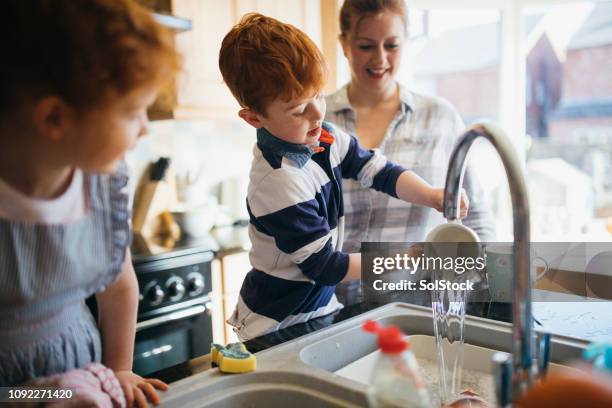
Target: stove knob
176	289
196	285
155	295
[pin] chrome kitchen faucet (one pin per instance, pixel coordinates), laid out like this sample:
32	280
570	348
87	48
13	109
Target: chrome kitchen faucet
521	367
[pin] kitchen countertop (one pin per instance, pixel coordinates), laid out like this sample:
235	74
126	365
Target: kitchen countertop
353	307
591	321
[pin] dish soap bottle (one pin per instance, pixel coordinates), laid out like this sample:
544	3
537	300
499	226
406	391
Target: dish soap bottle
396	381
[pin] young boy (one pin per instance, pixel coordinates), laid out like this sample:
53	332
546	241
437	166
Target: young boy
295	192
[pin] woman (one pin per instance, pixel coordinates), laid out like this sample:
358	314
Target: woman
413	130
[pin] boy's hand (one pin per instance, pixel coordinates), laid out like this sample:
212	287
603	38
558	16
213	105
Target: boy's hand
437	201
139	390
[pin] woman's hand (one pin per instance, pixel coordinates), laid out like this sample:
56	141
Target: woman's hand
139	390
437	201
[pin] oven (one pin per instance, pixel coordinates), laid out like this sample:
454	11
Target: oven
175	310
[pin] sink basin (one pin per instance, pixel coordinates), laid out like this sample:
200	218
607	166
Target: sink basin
263	389
339	348
477	374
477	369
324	368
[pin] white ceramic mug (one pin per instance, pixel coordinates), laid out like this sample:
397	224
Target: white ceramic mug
440	240
500	270
452	231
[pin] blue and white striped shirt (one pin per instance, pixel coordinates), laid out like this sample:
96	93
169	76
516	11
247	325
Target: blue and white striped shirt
296	230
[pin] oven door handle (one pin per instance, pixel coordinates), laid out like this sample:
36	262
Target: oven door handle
181	314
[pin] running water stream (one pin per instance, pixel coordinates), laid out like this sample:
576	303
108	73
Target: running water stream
448	305
448	309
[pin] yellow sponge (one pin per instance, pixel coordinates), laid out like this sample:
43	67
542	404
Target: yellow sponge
236	362
234	358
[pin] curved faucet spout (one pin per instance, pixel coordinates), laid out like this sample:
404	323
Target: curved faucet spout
522	341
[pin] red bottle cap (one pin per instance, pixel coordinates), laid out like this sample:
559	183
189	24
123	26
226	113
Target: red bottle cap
390	339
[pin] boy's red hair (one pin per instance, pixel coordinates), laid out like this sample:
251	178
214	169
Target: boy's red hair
262	59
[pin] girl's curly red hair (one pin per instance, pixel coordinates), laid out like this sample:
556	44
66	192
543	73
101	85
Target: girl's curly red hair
79	50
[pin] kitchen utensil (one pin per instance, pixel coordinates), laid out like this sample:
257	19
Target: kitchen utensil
147	193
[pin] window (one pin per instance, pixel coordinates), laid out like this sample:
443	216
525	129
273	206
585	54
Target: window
543	73
569	120
455	53
437	61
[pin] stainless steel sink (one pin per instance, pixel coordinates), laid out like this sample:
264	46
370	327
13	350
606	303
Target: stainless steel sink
342	347
262	389
315	370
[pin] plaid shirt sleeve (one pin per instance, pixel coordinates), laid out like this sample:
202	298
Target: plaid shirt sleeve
420	138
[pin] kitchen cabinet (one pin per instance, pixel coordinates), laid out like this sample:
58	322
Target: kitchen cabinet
304	14
229	271
218	320
200	91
